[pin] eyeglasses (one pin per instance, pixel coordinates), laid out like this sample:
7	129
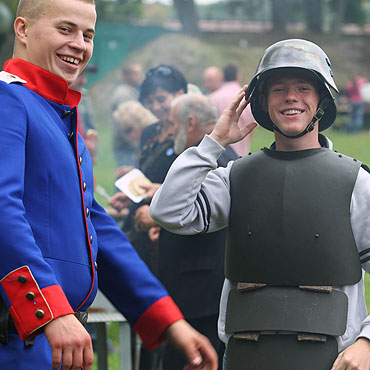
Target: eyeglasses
160	71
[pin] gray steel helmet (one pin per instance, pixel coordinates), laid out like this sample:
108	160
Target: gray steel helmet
299	54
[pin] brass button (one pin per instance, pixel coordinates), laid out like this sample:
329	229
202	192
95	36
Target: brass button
96	265
66	113
30	295
87	212
22	279
84	186
80	160
91	239
40	313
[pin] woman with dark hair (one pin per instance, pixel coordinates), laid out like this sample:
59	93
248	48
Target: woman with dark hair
162	84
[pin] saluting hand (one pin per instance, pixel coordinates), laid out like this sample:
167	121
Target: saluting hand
227	130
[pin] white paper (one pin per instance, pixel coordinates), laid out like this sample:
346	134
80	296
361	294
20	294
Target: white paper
129	184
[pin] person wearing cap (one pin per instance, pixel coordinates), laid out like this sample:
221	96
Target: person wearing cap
297	215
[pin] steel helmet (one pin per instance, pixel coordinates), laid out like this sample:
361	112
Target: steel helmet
298	54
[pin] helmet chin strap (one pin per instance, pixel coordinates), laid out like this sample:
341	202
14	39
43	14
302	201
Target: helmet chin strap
323	103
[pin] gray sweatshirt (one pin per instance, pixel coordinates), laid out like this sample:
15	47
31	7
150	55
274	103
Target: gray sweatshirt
195	198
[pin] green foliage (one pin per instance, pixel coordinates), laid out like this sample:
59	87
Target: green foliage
354	11
11	4
118	10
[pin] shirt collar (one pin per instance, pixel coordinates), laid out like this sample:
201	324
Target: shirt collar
43	82
323	140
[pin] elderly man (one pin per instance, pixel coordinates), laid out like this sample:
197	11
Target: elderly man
297	216
191	267
56	241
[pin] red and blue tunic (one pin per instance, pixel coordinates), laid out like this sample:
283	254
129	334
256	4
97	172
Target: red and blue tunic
56	240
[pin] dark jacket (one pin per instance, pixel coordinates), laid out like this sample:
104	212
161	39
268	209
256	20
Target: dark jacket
192	266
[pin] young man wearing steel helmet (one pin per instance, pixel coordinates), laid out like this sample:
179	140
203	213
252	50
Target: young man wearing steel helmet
297	217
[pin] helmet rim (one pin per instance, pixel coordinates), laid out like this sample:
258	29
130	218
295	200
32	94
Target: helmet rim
293	54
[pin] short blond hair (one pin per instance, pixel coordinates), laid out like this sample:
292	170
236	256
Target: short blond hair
34	9
133	114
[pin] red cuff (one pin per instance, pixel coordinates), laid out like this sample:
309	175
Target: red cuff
31	307
155	320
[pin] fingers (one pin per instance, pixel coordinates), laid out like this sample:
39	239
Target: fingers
119	201
88	358
67	360
239	110
154	233
208	354
143	218
56	357
337	362
237	99
73	357
248	129
195	346
70	344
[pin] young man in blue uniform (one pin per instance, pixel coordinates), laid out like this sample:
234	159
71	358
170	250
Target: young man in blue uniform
298	222
55	239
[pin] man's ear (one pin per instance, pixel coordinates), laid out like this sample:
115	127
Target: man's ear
20	29
192	124
263	102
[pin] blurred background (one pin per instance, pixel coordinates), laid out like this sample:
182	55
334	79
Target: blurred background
195	34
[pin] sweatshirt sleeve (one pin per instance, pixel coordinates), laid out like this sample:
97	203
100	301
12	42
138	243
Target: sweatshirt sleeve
360	221
195	196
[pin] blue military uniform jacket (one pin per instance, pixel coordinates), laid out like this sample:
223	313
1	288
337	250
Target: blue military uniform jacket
55	239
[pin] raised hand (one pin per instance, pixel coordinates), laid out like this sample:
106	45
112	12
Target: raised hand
227	130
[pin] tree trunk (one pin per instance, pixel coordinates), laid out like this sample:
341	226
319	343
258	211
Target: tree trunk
280	11
187	15
314	15
338	17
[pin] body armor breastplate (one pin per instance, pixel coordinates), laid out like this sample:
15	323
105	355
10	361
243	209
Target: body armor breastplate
290	219
289	233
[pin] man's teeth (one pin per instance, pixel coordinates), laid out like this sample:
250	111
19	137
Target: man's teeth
70	60
292	111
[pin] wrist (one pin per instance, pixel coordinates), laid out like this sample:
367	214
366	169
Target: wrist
219	139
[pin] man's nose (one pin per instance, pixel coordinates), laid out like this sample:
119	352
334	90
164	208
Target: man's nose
291	94
78	41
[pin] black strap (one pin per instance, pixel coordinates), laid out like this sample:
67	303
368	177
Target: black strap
323	103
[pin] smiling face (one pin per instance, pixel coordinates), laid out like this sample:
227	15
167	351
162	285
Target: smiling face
292	99
159	103
61	40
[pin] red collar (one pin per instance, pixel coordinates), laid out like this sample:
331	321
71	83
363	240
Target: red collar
43	82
